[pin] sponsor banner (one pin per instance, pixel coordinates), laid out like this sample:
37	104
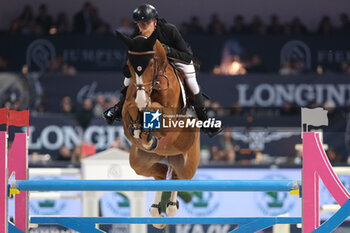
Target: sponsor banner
263	91
82	86
106	53
47	134
93	53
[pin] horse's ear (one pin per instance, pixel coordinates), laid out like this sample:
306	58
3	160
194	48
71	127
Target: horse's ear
126	40
152	39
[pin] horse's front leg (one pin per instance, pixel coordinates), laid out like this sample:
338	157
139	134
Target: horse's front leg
172	205
149	140
155	209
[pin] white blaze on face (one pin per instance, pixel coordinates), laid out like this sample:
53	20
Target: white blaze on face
140	100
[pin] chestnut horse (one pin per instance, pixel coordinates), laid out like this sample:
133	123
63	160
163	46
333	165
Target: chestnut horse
159	153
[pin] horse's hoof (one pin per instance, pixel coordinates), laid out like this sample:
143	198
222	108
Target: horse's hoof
155	210
159	226
135	133
131	130
154	144
172	208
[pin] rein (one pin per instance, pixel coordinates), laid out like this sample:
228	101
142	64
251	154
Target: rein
157	74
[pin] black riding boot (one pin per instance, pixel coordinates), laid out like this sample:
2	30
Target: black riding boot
202	115
115	113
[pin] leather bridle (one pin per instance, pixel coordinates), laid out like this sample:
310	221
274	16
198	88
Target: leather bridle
157	74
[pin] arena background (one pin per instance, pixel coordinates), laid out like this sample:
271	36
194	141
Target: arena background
258	79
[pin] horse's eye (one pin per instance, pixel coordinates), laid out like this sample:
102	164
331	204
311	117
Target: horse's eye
151	63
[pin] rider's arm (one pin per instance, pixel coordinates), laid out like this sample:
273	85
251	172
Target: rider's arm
179	49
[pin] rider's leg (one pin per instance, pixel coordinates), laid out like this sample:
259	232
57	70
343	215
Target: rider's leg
199	107
115	112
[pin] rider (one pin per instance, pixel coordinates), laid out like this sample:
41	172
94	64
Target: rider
146	18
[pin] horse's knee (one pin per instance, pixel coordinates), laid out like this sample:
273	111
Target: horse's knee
184	168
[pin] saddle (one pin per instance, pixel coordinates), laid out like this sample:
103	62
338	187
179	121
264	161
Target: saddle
186	94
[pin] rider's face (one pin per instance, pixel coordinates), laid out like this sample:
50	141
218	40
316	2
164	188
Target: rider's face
148	26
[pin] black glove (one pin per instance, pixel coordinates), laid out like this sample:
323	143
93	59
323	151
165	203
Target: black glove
109	115
167	49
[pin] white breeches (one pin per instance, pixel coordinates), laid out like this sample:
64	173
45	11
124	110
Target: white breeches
190	73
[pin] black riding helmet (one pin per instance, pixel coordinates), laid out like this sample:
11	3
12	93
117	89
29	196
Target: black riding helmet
144	13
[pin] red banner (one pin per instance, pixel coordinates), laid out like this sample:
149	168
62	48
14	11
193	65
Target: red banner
18	118
3	115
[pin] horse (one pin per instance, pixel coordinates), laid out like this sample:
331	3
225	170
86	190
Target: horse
165	153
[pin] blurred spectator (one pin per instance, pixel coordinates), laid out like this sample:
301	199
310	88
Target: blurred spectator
61	23
126	27
217	109
229	145
15	27
331	107
256	25
119	143
236	109
3	64
239	26
44	20
275	27
85	115
228	153
287	29
64	154
100	105
98	25
254	65
111	102
95	17
40	110
26	19
37	30
345	24
289	109
210	110
298	66
347	137
298	28
103	29
82	22
67	105
68	69
290	67
76	154
194	27
325	27
345	67
333	156
59	65
216	27
56	64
